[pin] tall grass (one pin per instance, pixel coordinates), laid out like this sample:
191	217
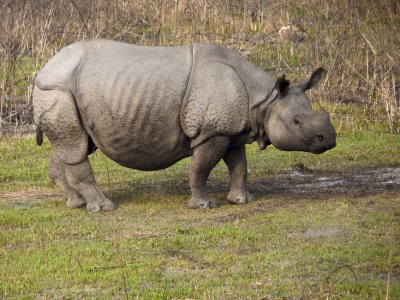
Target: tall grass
358	41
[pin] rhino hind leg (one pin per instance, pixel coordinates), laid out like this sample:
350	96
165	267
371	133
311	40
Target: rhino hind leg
56	114
205	158
80	177
235	158
59	177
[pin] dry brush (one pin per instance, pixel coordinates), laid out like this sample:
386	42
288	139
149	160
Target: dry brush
358	41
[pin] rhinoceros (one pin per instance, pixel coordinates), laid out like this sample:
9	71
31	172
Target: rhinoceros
148	107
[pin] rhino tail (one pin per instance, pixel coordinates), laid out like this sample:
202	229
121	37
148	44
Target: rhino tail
39	136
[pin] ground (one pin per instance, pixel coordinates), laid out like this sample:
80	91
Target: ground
321	227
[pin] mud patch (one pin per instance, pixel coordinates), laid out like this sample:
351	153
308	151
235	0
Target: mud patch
294	184
298	183
318	184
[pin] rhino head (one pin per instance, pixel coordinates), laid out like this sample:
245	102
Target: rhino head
290	122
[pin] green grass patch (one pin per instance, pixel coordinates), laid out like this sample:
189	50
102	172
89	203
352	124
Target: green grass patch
160	250
24	164
153	247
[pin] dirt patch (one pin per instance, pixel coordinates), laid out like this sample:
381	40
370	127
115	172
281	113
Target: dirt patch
294	184
320	232
318	184
31	196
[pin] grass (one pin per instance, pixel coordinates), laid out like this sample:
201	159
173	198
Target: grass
25	165
152	247
157	249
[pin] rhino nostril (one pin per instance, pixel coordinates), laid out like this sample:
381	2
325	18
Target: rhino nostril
319	138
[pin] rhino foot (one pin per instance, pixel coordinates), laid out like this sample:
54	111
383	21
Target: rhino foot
93	207
236	197
105	205
201	203
108	205
75	202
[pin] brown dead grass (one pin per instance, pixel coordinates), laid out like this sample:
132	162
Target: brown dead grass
357	41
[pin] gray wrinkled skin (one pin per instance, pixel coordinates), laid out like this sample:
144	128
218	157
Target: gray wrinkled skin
148	107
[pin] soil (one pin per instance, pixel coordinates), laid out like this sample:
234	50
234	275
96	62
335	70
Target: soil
295	184
298	183
319	185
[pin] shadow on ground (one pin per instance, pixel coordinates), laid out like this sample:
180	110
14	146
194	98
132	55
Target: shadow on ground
294	184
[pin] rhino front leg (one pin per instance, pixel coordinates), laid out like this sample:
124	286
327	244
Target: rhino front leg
235	158
205	157
80	177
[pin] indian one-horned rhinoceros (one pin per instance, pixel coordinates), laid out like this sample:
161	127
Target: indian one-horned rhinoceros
148	107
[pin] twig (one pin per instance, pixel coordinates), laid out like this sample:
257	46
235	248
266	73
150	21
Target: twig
158	35
339	268
98	268
79	261
372	48
389	272
165	290
81	16
42	241
108	176
388	284
166	174
124	283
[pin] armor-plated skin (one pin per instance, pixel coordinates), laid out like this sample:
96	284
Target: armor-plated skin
148	107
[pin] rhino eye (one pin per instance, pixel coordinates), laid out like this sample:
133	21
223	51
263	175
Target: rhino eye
296	121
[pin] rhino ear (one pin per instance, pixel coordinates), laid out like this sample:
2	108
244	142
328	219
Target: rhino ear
313	79
282	85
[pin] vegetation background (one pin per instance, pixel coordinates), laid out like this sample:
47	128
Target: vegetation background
323	227
358	41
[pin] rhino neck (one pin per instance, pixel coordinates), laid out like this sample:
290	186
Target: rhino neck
257	120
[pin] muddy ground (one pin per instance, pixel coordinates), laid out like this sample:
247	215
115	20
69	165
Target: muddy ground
299	183
315	184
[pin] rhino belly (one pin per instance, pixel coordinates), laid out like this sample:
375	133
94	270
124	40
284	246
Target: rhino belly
150	149
150	143
131	108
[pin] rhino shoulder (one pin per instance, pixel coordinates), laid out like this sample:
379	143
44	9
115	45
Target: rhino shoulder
223	90
258	83
216	100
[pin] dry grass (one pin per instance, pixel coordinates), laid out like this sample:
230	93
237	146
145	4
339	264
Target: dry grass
358	41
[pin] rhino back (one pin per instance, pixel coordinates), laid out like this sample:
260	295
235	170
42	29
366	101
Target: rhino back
129	98
59	72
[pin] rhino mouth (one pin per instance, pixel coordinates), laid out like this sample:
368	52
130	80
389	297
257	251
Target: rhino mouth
319	149
321	142
315	145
